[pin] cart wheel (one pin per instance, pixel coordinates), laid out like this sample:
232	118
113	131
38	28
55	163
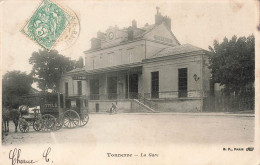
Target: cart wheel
83	120
71	119
59	123
24	126
37	125
48	122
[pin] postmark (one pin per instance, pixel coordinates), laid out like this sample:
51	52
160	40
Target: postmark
47	24
70	34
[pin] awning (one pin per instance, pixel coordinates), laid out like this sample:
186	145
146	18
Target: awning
76	97
131	68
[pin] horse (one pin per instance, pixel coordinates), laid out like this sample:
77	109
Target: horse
10	114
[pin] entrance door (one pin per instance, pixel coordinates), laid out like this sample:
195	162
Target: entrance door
79	83
133	86
112	87
94	89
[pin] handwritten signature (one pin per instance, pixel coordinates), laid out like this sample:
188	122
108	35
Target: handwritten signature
15	154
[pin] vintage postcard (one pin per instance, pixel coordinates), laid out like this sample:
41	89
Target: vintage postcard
130	82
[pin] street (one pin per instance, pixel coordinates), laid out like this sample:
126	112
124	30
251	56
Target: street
146	129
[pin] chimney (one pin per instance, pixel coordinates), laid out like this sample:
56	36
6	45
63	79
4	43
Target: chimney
95	43
100	35
158	17
130	33
167	21
134	24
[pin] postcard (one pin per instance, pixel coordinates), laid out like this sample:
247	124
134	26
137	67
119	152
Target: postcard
129	82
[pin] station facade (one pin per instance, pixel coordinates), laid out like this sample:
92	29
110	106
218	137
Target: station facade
140	69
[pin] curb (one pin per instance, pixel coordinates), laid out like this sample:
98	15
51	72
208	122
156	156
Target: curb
184	114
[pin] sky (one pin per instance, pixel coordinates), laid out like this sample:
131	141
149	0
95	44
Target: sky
196	23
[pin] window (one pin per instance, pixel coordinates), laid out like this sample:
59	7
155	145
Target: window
78	103
111	56
126	87
155	84
68	103
133	86
94	89
183	82
66	89
61	100
79	87
130	53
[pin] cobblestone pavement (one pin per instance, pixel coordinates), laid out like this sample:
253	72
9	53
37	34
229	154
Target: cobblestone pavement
147	129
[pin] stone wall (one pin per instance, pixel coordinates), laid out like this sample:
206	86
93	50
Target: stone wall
104	105
130	106
179	105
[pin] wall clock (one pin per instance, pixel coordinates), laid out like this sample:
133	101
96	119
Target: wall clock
111	35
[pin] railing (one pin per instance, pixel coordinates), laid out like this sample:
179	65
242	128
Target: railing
216	102
175	94
113	96
109	96
94	97
75	95
147	102
132	95
158	95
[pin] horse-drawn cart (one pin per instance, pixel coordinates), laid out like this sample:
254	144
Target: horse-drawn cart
52	114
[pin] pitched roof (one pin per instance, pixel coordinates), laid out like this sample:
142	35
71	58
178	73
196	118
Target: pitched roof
140	32
147	29
180	49
76	70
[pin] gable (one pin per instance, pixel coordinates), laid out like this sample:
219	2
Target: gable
183	50
113	36
162	34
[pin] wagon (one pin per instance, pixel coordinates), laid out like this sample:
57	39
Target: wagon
29	119
52	114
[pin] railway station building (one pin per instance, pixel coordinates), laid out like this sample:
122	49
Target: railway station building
141	69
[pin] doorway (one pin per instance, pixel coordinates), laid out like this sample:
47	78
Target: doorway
112	87
94	89
133	86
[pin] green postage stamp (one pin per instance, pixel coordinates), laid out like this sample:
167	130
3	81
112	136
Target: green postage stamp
47	24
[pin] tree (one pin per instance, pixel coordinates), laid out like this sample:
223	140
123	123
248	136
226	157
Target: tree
232	63
80	63
15	85
48	68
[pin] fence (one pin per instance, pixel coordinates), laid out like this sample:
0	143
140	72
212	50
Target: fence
175	94
232	103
